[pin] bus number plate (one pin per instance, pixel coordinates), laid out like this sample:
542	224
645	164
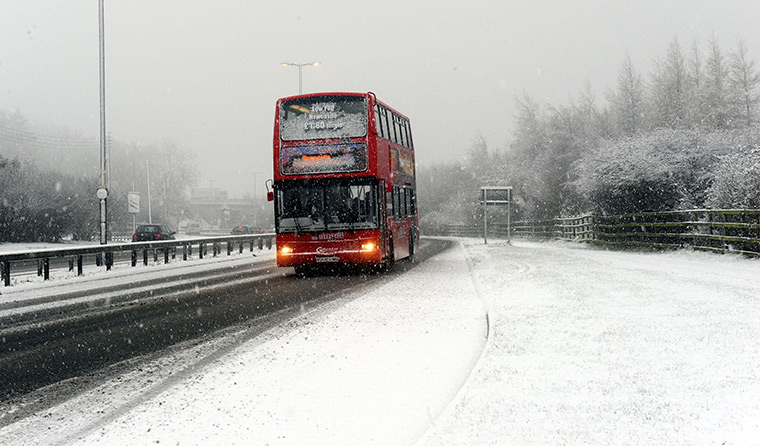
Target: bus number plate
330	259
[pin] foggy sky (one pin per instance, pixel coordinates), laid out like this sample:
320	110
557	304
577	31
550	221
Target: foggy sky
206	75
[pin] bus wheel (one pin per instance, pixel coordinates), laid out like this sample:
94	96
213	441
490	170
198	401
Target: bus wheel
412	248
391	256
303	270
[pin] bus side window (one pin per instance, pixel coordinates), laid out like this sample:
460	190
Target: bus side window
409	135
392	127
389	204
379	121
408	201
402	203
396	207
402	127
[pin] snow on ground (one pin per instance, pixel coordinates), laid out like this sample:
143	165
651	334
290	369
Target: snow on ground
586	347
597	347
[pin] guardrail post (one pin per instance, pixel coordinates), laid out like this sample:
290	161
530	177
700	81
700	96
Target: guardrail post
46	268
269	243
71	265
166	255
80	265
229	247
145	256
39	267
7	273
201	248
261	244
109	260
241	248
184	252
134	258
98	259
155	256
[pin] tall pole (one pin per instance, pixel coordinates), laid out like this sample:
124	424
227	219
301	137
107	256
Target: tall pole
147	169
103	189
300	72
300	79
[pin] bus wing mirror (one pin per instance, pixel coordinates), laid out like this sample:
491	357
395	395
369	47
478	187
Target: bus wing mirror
269	185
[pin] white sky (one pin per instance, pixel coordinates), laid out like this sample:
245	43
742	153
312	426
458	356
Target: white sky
206	74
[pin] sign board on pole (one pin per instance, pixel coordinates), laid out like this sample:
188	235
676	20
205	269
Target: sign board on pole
496	194
133	202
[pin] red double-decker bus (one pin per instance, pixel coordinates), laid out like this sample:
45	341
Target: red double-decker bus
344	181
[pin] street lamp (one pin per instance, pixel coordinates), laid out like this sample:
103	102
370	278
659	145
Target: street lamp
300	71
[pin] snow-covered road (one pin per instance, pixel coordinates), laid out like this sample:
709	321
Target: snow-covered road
585	347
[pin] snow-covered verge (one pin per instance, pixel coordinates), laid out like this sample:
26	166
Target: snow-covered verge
585	347
597	347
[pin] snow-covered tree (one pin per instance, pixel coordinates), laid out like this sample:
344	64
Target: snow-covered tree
715	106
744	80
628	100
669	92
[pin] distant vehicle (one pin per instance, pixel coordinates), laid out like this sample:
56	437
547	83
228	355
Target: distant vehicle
193	228
238	230
145	233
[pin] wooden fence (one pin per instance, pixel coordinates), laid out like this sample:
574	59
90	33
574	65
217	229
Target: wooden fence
717	230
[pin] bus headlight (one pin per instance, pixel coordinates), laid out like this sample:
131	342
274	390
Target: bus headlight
369	246
286	250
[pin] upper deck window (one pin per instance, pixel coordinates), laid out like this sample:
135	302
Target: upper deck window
323	117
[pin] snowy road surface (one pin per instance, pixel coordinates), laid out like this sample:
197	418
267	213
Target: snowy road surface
585	347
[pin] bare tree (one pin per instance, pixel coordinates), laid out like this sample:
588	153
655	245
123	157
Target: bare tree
627	101
743	80
714	90
669	93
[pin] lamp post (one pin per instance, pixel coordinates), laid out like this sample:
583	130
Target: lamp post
102	191
300	72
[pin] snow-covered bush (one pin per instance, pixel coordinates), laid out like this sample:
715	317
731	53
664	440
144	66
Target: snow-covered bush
656	171
737	176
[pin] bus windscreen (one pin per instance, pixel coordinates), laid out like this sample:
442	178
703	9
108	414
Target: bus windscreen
323	117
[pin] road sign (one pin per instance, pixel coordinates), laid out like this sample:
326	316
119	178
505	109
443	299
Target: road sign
133	201
496	194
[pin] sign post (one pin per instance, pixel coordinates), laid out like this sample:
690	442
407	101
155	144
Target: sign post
133	202
102	194
496	195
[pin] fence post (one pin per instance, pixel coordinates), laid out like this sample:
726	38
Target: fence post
80	265
7	273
